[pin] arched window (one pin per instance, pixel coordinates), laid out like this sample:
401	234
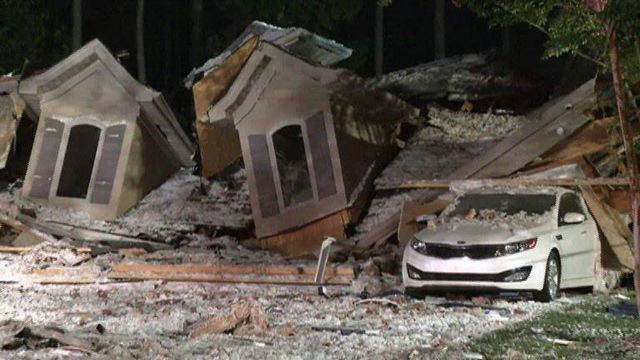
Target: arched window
295	182
78	161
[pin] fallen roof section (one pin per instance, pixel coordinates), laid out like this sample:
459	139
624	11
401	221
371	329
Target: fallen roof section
300	42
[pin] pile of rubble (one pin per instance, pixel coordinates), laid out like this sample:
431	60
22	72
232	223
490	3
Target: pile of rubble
151	260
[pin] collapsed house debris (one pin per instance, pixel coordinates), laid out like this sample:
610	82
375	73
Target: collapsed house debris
103	139
481	80
153	260
445	142
561	132
312	138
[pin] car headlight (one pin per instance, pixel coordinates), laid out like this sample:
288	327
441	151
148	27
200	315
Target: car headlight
514	248
419	246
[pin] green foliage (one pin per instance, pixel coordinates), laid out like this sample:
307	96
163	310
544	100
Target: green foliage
595	333
571	27
29	30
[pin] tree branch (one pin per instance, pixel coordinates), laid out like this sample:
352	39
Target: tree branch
546	32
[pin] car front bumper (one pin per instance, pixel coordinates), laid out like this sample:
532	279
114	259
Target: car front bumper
467	273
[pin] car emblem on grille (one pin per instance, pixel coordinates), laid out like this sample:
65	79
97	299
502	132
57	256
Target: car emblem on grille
461	242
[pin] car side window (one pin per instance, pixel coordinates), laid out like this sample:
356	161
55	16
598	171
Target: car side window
569	203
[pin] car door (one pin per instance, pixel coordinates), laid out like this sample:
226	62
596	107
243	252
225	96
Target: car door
574	240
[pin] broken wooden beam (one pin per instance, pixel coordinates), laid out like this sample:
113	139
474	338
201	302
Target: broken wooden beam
617	235
76	275
513	182
15	249
251	274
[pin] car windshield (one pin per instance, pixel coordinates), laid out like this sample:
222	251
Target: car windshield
508	204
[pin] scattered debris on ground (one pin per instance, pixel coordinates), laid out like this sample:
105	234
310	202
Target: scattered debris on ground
157	319
183	273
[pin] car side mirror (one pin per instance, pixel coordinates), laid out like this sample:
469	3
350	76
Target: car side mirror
573	218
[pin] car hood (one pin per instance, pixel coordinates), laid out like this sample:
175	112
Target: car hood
482	233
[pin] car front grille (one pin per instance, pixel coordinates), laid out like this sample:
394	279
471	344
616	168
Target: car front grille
473	252
504	276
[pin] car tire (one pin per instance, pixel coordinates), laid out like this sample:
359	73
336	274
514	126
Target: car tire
551	286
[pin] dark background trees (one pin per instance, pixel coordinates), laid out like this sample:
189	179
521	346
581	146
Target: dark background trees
181	34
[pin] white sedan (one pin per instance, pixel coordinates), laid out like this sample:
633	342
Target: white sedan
536	239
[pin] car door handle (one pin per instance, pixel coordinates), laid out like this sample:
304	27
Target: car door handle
559	237
583	232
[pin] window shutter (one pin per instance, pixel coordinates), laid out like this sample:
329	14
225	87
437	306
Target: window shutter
47	157
263	173
321	155
108	164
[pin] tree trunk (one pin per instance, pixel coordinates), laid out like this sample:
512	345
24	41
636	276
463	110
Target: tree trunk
379	45
76	30
632	161
439	30
142	71
196	33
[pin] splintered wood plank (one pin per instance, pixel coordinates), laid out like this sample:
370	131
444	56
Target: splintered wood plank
616	233
54	275
253	274
14	249
332	270
533	140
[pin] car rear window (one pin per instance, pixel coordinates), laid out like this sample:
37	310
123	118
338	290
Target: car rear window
510	204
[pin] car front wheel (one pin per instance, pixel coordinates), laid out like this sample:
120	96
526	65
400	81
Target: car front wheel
551	280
